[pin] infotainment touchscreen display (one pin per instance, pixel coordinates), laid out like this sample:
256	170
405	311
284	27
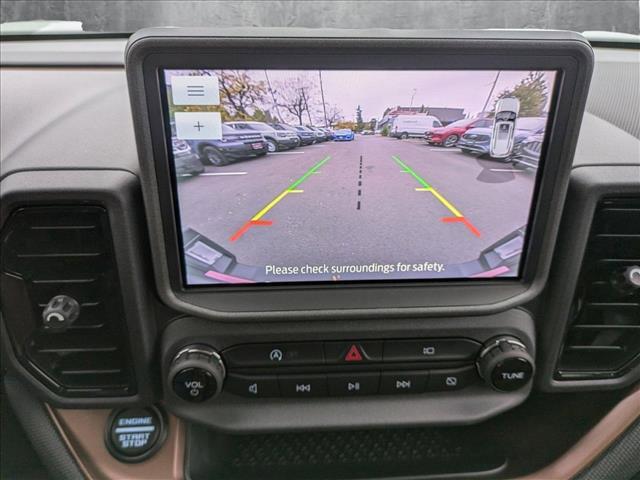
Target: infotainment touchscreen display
354	175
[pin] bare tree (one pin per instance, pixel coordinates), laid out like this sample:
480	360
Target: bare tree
296	96
334	114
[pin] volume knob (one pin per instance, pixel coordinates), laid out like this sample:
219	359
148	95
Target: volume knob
505	364
197	373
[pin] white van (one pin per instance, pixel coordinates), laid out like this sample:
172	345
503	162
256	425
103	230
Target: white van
405	126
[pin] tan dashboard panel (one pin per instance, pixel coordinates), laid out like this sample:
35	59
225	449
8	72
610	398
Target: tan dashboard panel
594	443
83	431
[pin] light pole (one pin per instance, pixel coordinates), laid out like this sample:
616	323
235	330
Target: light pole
273	97
412	96
324	107
306	105
495	80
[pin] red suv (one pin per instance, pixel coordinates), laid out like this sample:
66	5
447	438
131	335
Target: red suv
448	135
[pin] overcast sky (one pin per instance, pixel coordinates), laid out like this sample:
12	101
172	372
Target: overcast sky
374	91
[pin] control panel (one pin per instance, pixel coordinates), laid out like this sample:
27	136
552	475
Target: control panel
349	368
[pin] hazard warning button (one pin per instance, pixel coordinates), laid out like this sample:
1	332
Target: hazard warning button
353	352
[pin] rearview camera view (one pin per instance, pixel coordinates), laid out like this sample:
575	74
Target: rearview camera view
350	175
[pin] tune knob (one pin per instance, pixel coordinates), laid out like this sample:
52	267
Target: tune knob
505	364
197	373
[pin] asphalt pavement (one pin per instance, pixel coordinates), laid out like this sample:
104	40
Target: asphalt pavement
372	200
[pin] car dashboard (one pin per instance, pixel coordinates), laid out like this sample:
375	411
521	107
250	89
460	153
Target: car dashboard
124	349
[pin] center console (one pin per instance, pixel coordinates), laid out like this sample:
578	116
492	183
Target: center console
338	268
334	254
263	386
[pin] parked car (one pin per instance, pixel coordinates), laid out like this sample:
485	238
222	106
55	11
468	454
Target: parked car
478	140
321	136
276	139
287	128
233	146
449	135
328	132
475	141
307	136
344	135
527	152
405	126
184	160
367	132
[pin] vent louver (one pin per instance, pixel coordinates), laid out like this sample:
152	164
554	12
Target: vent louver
603	339
49	251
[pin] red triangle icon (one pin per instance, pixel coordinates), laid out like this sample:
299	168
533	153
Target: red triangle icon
353	354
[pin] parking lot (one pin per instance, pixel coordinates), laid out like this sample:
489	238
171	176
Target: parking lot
375	199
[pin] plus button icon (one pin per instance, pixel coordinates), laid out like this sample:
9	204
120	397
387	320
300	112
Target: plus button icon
198	125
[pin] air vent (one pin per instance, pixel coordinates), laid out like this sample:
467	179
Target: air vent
603	339
50	251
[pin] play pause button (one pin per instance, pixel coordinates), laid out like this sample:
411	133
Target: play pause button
345	384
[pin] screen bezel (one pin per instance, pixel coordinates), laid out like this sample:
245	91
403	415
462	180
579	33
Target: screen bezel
569	58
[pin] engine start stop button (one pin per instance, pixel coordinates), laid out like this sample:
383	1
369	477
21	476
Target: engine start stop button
134	434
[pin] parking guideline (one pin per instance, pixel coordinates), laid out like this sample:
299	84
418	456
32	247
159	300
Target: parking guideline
256	219
426	187
272	204
408	170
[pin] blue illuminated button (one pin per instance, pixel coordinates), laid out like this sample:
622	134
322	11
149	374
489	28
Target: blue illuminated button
135	433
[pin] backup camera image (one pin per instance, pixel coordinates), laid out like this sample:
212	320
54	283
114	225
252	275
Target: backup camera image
350	175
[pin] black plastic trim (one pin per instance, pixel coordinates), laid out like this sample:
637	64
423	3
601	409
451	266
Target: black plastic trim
615	44
589	184
27	342
35	37
41	431
118	192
